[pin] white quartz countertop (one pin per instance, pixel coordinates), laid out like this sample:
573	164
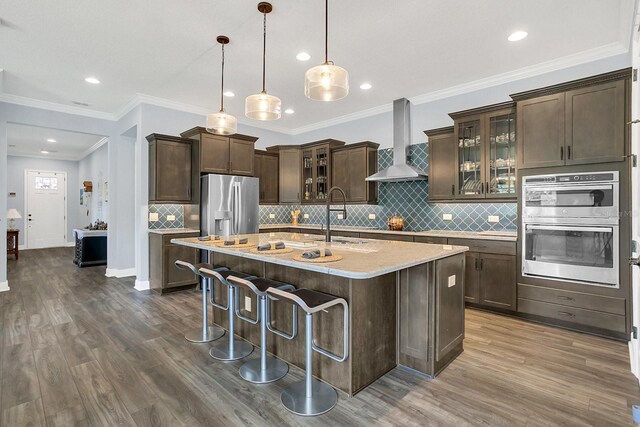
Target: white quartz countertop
174	230
362	258
509	236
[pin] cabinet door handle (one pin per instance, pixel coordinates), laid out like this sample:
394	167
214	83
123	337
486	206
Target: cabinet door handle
565	298
487	187
453	189
566	313
476	263
481	263
230	166
561	153
569	152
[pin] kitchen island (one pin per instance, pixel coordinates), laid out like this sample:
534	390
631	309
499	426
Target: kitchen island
406	303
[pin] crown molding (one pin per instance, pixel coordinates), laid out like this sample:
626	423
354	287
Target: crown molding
343	119
54	106
93	148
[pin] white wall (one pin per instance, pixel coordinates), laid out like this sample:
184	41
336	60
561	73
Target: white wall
3	200
94	168
15	183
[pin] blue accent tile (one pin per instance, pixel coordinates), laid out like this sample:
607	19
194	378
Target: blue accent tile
164	210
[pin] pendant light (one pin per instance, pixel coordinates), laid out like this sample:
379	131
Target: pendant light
221	123
326	82
263	106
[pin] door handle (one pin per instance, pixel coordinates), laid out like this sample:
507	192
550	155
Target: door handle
566	313
568	152
453	189
561	153
481	263
565	298
476	263
487	187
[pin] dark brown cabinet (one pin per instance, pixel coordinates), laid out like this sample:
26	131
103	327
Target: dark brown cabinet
170	173
163	274
578	122
490	280
289	170
442	163
266	170
232	155
471	278
316	169
351	165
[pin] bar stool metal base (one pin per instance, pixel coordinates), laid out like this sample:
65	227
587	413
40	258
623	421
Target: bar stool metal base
222	351
252	371
323	400
198	336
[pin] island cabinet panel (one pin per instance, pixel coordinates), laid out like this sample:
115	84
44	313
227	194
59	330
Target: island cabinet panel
290	171
170	179
595	123
415	339
442	164
449	299
266	170
541	131
163	274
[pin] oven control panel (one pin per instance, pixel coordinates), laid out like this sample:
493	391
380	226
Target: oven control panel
572	178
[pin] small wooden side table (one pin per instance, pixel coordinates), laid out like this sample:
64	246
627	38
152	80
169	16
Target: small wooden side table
12	242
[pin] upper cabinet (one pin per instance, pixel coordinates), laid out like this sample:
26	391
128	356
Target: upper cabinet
351	165
578	122
442	163
485	156
316	167
289	172
266	166
232	155
170	172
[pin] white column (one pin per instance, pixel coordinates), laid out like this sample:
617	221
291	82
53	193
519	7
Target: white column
4	283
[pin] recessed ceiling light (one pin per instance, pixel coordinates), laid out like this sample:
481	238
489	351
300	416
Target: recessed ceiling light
229	94
289	111
92	80
51	140
44	151
83	104
12	145
517	36
303	56
365	86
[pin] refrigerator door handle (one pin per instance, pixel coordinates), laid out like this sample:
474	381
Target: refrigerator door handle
236	208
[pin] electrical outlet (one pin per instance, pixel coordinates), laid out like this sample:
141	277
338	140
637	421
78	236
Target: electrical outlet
247	303
340	216
272	216
372	216
451	281
305	216
493	218
447	217
171	217
154	217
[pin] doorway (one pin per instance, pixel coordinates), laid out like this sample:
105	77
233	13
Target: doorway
46	209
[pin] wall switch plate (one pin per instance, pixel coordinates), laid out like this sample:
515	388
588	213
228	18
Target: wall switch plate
247	303
340	216
154	216
305	216
493	218
447	217
372	216
451	281
171	217
272	216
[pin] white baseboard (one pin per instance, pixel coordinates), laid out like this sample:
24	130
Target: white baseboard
66	245
141	285
118	273
4	286
70	244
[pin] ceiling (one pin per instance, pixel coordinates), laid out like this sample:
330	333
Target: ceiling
28	141
167	49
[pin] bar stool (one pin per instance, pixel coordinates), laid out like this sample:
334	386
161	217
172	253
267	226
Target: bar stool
312	397
235	349
266	369
207	332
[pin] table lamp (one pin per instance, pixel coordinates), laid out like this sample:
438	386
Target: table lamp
12	215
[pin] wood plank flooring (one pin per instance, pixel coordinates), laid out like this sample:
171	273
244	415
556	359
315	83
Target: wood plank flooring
77	348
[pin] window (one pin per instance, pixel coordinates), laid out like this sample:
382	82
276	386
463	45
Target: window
46	183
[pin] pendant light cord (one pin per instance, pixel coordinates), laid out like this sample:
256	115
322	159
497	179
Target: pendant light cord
222	84
326	31
264	52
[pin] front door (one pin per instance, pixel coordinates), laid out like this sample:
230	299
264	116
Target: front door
46	222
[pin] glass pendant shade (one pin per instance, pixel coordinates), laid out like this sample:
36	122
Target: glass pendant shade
263	107
222	123
326	82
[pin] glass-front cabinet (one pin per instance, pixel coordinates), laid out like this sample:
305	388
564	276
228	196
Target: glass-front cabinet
316	167
486	152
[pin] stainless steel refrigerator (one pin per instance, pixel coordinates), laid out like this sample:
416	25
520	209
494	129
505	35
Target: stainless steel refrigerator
229	205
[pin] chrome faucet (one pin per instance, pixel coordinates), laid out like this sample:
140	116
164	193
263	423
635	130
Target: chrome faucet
329	210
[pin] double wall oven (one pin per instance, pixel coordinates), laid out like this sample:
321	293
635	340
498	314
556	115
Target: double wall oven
570	228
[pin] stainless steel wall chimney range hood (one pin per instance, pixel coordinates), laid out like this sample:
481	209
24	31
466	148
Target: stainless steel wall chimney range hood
400	170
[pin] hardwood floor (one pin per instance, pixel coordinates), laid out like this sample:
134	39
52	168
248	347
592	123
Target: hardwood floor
80	349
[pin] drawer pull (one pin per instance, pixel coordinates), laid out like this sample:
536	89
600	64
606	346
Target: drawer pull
566	313
564	298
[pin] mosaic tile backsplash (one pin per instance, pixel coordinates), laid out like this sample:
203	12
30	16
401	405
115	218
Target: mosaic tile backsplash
408	199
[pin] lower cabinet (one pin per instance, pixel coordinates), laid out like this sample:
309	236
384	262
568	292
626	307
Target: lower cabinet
163	274
490	280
